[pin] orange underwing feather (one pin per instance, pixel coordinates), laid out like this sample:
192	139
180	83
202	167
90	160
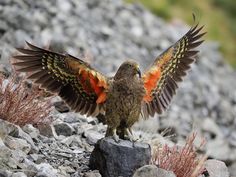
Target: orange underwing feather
94	84
82	87
150	82
101	98
160	80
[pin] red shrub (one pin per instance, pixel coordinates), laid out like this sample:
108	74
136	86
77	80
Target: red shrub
20	104
183	161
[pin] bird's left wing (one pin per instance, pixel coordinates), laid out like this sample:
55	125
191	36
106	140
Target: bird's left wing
82	87
160	80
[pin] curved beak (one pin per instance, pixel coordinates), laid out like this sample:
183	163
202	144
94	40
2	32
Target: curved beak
139	72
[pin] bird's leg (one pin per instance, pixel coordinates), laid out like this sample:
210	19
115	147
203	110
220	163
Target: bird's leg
129	135
112	132
115	136
121	132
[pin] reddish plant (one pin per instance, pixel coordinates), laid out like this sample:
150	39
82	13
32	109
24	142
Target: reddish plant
20	104
183	161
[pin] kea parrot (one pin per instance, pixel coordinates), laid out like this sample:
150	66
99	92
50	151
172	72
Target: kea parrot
121	99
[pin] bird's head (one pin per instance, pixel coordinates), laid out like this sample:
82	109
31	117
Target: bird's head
128	69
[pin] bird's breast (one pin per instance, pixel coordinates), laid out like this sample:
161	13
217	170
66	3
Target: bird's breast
126	94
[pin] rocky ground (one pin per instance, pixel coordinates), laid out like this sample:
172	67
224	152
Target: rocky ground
106	33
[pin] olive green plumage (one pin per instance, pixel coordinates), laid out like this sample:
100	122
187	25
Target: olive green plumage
120	100
124	98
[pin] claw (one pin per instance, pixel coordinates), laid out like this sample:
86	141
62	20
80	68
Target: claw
115	136
129	135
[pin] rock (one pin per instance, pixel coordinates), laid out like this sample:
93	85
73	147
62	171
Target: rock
30	168
17	144
152	171
45	170
46	130
92	136
6	159
232	139
119	159
68	140
232	169
115	31
34	157
210	126
69	117
15	131
219	149
66	169
19	174
4	129
31	130
5	173
216	168
21	36
5	70
94	173
61	106
64	129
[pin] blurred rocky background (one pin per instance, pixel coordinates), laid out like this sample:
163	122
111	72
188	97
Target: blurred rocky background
105	33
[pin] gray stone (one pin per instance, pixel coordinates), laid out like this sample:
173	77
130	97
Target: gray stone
219	149
69	117
17	132
19	174
92	136
5	173
31	130
210	126
6	159
119	159
232	169
47	130
21	36
17	144
94	173
66	169
29	167
5	70
152	171
64	129
61	106
111	31
4	129
46	170
216	168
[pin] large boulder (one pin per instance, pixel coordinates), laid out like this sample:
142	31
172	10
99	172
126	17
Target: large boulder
119	159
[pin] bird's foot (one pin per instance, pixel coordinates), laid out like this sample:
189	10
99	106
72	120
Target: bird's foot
130	136
115	136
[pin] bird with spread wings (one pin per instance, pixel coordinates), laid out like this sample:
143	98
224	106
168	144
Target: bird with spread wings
122	98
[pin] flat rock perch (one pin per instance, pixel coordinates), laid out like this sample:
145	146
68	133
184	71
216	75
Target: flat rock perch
119	159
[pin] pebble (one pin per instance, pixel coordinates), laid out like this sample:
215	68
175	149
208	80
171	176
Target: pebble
64	129
111	31
152	171
216	168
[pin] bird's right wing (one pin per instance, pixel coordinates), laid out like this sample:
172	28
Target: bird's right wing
160	80
82	87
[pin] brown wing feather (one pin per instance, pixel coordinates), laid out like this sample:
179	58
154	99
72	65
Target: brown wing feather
82	87
160	80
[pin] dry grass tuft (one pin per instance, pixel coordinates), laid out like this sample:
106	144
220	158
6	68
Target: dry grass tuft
183	161
20	104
